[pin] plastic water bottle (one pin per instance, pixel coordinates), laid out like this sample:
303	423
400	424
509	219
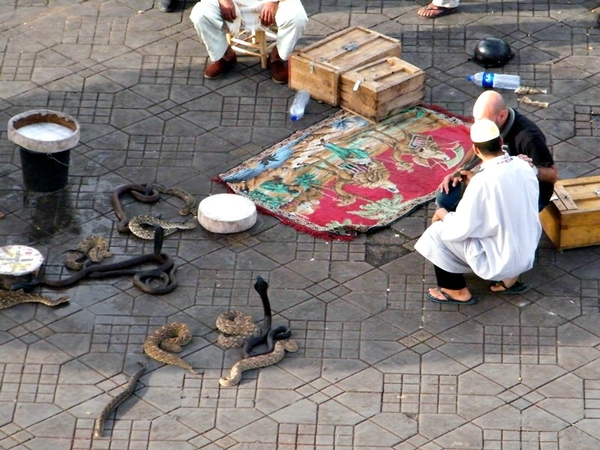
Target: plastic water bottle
496	80
299	104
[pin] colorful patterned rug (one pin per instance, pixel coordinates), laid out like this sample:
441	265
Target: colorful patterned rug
346	175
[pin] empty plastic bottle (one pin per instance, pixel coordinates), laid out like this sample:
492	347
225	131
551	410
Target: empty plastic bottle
496	80
299	104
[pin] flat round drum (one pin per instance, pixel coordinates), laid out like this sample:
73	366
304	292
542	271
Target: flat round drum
226	213
18	260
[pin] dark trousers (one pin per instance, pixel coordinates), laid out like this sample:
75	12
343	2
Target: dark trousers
450	200
449	280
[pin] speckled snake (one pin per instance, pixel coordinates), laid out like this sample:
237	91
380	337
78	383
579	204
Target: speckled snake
150	193
115	402
256	362
91	249
8	299
238	329
169	338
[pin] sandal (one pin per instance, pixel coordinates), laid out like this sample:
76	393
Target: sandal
516	288
449	300
432	11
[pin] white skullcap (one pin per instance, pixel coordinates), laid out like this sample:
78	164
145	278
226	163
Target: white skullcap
484	130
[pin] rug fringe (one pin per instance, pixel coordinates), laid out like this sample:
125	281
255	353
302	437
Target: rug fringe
326	235
448	113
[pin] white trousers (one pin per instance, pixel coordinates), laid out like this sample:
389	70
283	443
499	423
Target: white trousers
290	20
446	3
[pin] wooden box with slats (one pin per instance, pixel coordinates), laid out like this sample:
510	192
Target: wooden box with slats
382	88
317	68
572	219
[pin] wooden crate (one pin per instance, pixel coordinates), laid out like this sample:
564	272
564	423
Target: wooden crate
571	220
382	88
317	68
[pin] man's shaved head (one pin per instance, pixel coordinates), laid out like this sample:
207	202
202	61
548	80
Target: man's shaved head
490	105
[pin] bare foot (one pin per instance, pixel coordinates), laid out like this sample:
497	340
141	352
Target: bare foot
432	11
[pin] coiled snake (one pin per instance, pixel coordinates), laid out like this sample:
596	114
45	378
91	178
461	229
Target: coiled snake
150	193
238	329
93	248
169	338
160	280
115	402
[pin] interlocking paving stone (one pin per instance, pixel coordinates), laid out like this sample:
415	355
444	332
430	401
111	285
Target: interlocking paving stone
378	367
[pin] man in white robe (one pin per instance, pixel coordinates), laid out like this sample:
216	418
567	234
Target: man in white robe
213	19
495	229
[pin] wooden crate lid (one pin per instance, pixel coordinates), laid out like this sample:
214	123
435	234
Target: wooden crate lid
577	194
340	48
383	72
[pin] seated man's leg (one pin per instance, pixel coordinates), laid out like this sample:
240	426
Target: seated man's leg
452	288
450	200
210	25
291	20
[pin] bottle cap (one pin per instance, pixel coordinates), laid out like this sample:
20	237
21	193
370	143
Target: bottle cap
294	118
470	77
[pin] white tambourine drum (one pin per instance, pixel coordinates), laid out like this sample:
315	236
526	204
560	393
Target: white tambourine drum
16	260
227	213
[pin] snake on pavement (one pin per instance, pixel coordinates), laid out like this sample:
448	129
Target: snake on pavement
93	248
169	338
9	299
136	226
150	193
256	362
115	402
146	280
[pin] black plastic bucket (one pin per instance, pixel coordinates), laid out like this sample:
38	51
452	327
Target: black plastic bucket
45	172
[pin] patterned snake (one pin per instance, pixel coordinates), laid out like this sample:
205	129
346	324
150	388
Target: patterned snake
136	226
239	329
9	299
169	338
256	362
145	280
112	405
93	248
150	193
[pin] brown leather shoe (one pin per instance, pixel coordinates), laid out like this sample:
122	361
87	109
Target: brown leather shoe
279	68
222	66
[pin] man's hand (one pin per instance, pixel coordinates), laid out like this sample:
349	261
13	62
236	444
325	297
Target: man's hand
267	14
527	159
447	181
227	10
439	214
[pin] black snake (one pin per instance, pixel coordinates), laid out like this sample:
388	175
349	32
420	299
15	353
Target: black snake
115	402
157	281
169	338
241	329
238	329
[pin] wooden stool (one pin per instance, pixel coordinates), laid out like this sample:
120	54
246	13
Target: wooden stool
253	43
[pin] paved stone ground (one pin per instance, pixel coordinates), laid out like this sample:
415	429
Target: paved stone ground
378	366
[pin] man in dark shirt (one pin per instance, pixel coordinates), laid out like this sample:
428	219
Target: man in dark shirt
522	137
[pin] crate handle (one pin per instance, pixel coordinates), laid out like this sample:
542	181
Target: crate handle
351	46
